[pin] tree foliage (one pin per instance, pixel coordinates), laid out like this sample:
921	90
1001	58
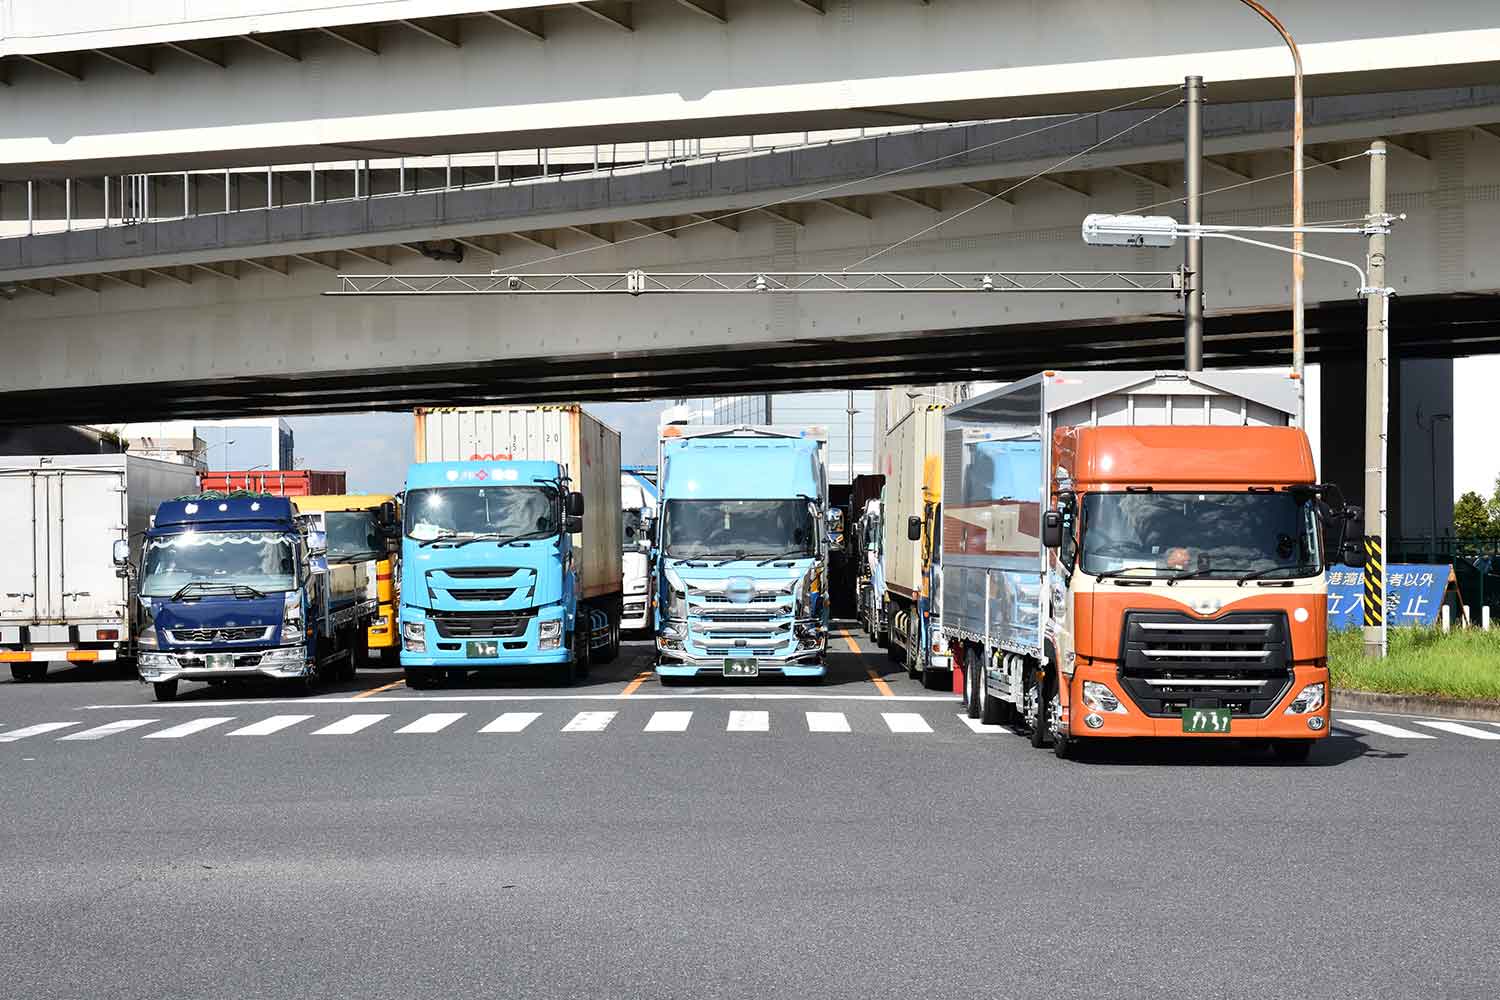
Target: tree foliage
1476	517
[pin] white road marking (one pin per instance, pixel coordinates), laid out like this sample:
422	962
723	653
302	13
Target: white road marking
187	728
827	722
275	724
906	722
668	722
589	722
1458	729
108	729
37	730
432	722
980	727
349	725
1384	729
749	722
512	722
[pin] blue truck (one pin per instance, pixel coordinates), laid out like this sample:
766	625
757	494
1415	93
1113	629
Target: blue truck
742	550
511	558
233	587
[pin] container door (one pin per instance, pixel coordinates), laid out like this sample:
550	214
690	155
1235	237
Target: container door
88	514
19	529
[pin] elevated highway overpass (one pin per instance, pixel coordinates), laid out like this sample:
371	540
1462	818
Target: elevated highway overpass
93	87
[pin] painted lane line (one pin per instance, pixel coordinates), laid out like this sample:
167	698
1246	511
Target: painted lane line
881	685
1384	729
905	722
432	722
108	729
511	722
979	727
827	722
1458	729
275	724
187	728
349	725
749	722
37	730
668	722
383	687
589	722
633	686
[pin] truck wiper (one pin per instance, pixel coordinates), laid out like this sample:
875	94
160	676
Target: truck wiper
1126	569
792	554
725	560
433	541
1257	574
239	590
503	540
1188	575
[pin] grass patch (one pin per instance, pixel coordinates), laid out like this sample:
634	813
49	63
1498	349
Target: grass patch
1464	663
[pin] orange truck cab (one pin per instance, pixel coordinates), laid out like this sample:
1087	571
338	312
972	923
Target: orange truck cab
1140	554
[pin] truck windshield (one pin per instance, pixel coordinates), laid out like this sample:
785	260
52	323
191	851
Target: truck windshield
1205	535
472	511
263	560
697	529
353	535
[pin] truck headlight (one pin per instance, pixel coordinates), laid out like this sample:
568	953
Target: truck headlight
286	656
1309	699
414	637
147	638
1101	699
676	604
150	664
291	630
549	632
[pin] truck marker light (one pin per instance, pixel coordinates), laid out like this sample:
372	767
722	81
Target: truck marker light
1315	723
1093	720
1300	615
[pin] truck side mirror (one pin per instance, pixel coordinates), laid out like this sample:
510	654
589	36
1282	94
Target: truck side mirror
317	543
1052	529
574	506
120	552
914	528
318	565
1352	552
572	523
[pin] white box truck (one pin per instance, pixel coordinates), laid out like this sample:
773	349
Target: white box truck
61	598
911	522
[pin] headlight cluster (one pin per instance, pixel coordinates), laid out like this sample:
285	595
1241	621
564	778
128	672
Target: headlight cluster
150	664
550	633
671	637
1100	698
676	609
286	656
1309	699
291	618
147	637
414	637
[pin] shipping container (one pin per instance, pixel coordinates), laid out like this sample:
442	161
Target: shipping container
290	483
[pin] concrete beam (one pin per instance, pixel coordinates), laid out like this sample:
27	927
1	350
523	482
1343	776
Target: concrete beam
615	13
210	53
439	29
528	23
365	39
711	9
284	46
138	59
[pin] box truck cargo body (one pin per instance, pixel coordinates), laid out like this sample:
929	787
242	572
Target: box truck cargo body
61	597
1132	554
514	557
910	526
290	483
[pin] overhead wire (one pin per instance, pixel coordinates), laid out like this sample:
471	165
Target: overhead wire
1254	180
1021	183
833	188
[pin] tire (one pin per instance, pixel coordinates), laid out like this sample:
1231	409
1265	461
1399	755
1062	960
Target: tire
1040	718
21	673
972	682
165	690
418	679
909	655
992	711
934	679
1291	751
670	681
307	684
612	653
893	650
454	676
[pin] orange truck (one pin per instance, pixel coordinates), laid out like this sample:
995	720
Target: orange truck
1140	554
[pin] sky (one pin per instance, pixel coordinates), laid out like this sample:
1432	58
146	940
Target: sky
375	448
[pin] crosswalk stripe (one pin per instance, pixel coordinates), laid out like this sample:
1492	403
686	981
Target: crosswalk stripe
827	722
1458	729
349	725
432	722
512	722
668	722
275	724
749	722
1384	729
186	729
589	722
906	722
980	727
37	730
108	729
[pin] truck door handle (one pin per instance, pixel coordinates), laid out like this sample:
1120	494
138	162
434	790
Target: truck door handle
20	595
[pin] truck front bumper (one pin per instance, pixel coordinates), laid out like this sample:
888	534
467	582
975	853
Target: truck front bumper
1278	724
804	663
636	614
280	662
503	658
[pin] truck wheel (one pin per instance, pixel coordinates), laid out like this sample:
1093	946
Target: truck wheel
308	683
1040	717
992	711
20	672
1291	751
165	690
971	691
612	651
934	679
418	679
912	670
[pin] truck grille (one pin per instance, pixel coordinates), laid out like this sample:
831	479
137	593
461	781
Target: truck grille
495	594
249	633
1240	661
480	624
479	572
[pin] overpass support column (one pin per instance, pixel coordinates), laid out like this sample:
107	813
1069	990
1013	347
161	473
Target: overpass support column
1192	296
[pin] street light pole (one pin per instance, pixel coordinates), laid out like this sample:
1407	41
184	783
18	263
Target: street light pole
1298	352
1377	406
1192	288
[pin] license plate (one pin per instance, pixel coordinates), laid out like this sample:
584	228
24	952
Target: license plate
220	661
482	650
741	668
1205	720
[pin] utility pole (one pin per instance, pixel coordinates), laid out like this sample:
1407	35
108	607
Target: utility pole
1192	290
851	412
1377	405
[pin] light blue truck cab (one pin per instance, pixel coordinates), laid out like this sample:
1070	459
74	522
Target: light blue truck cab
742	553
489	572
232	587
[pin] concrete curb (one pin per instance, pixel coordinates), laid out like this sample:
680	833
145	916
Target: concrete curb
1411	704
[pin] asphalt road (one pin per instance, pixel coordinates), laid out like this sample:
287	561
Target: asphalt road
722	853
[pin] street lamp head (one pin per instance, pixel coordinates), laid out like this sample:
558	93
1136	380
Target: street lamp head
1102	230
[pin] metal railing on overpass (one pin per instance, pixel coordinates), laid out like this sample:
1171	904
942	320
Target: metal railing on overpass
132	199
